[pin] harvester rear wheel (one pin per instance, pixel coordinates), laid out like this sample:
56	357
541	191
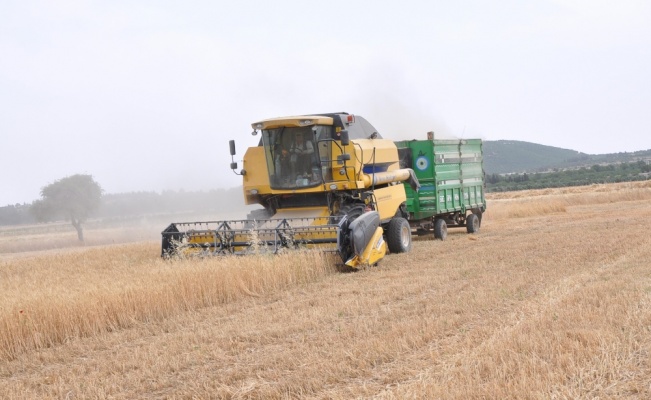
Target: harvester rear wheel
440	229
472	223
399	235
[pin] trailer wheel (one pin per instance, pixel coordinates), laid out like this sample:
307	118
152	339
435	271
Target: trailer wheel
440	229
472	223
399	235
479	214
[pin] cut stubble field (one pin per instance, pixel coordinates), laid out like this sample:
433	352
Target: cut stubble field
552	299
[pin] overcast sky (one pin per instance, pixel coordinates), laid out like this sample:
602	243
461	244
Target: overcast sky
144	95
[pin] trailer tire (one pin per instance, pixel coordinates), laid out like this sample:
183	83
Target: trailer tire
399	235
440	229
479	214
472	223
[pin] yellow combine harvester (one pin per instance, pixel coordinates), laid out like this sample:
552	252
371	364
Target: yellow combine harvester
325	181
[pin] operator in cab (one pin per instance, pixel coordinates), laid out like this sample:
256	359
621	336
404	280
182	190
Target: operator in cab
300	155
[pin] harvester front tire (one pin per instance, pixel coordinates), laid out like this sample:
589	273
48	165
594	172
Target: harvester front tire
352	211
472	223
440	229
399	235
258	215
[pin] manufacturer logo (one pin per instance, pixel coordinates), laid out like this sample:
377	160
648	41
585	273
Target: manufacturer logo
422	163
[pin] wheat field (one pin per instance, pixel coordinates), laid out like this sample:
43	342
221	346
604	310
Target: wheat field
552	299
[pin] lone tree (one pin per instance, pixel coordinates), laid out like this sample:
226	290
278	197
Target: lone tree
73	198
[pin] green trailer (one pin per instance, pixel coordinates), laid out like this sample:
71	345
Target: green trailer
451	176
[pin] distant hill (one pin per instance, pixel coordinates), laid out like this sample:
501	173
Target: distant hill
513	156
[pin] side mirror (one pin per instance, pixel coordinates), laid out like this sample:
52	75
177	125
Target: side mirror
231	144
345	140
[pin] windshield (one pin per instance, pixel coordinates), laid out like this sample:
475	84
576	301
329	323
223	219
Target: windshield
293	157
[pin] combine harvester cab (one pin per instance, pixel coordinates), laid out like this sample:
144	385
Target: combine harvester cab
452	180
326	181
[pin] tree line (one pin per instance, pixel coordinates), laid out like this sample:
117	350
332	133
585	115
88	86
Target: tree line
77	198
610	173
